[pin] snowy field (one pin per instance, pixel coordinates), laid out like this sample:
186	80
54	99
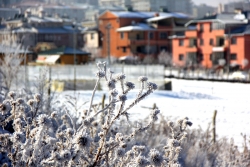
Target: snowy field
196	100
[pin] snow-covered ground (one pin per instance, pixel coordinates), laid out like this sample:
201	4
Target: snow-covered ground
196	100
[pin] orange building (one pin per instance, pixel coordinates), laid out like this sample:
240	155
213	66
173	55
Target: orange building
131	33
220	39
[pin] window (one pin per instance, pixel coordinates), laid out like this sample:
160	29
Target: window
233	41
233	56
92	36
201	57
201	42
181	57
192	42
163	35
137	36
181	42
122	35
124	49
163	48
201	27
151	35
211	41
211	57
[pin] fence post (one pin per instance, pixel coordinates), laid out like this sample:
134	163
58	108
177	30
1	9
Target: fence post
214	126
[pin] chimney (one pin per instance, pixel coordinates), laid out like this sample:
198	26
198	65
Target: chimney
129	8
41	13
27	13
164	9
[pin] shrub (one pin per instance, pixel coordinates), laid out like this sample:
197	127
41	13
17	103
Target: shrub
44	138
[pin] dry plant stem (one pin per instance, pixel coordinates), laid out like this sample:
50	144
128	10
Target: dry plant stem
93	94
137	101
142	87
106	132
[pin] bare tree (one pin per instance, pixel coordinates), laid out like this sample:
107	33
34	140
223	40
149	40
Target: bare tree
10	61
165	58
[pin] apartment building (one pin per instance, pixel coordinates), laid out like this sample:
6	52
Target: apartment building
30	29
220	39
131	33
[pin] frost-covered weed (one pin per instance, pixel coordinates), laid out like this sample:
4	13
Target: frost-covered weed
42	139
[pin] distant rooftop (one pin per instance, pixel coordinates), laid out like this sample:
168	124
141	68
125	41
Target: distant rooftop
147	15
64	50
226	18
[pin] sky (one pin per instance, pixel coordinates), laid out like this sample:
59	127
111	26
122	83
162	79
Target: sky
214	3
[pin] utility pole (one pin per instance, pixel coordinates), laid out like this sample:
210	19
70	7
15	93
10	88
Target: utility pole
74	47
148	49
228	51
108	27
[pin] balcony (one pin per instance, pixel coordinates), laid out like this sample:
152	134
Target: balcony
218	49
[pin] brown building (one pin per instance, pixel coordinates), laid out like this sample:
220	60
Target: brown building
63	55
131	33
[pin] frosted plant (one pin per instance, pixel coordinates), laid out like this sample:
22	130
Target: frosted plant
53	139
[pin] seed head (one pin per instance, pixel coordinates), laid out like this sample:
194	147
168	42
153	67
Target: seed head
122	97
84	141
111	84
151	86
120	152
19	137
141	161
19	101
37	97
142	79
113	93
100	74
43	119
156	158
12	94
121	76
130	85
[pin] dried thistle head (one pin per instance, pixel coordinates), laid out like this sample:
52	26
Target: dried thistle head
142	79
120	77
113	93
111	84
155	157
130	85
122	97
37	97
12	94
100	74
44	119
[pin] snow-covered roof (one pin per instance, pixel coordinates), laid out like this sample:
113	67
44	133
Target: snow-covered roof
129	14
136	27
146	15
45	19
163	16
157	18
23	30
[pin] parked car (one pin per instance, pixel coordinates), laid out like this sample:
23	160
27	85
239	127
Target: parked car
239	75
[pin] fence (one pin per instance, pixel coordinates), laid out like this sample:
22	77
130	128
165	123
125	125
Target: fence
84	74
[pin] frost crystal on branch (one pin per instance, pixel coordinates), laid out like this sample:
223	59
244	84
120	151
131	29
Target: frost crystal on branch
98	137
